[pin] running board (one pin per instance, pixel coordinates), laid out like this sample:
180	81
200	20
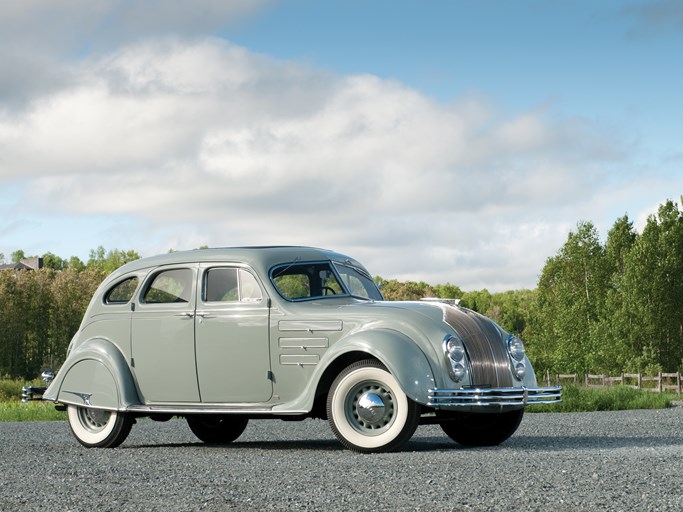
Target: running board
182	410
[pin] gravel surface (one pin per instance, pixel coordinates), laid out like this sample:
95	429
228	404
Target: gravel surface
617	461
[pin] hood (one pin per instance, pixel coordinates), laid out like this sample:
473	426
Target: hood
484	340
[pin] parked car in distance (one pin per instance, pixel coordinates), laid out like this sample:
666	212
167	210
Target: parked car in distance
224	336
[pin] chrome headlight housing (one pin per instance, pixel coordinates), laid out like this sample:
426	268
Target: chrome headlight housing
517	354
455	353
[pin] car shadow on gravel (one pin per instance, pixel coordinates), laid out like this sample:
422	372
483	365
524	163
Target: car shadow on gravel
298	445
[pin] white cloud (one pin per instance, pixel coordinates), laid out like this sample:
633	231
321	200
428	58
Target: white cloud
233	148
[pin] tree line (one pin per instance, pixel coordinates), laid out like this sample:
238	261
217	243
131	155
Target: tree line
599	307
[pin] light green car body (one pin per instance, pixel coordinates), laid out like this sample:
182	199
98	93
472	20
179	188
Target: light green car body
267	357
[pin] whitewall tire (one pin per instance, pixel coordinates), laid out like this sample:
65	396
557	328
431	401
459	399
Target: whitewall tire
367	410
96	428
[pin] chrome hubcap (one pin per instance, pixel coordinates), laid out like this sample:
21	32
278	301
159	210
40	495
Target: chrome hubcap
371	407
94	419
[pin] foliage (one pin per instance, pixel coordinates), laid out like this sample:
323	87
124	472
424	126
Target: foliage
613	308
110	261
618	398
12	409
40	311
393	289
599	307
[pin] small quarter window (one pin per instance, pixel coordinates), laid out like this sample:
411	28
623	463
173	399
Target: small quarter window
122	292
170	286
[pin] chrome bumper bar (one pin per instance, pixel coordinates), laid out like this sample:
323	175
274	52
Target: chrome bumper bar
480	397
28	393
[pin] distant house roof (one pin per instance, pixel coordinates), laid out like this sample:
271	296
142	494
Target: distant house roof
24	264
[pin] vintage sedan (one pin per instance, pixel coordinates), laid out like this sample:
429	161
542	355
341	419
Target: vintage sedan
224	336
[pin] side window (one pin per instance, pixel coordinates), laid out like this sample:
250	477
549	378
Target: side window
230	285
221	285
250	291
170	286
122	292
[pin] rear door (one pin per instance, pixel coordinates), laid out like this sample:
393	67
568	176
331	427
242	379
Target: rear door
163	338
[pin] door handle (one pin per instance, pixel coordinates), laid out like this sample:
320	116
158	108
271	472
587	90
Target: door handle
202	316
186	314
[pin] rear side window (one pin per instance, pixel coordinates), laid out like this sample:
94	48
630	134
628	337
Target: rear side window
122	292
170	286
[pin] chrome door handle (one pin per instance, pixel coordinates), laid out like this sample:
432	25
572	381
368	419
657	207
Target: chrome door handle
186	314
202	316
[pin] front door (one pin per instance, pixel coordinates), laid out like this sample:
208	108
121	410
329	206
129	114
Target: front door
162	334
231	326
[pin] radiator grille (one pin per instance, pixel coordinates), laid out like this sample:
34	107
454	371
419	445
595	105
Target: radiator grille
482	338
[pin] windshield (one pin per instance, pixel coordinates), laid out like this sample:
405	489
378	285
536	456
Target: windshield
312	280
358	283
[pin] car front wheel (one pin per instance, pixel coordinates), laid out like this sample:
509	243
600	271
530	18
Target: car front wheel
479	429
217	429
96	428
367	410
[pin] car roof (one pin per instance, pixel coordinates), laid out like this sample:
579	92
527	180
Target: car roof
260	258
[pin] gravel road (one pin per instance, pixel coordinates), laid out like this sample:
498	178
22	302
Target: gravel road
618	461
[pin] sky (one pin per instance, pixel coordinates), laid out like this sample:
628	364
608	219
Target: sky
440	141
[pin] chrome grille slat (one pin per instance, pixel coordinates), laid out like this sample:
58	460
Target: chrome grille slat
488	357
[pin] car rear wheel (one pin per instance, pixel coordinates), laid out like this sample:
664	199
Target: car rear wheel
479	429
367	410
217	429
96	428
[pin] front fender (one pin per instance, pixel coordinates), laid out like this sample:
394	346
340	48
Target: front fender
402	357
94	375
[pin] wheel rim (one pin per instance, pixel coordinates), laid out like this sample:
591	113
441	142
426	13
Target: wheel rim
94	420
370	408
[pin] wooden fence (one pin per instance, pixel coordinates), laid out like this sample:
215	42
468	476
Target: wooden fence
661	383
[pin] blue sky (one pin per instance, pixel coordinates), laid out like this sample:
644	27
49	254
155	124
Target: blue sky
444	141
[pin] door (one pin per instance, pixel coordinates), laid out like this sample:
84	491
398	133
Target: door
162	334
231	326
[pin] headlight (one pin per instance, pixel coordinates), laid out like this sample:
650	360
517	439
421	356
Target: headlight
520	371
458	372
516	351
456	355
516	348
455	349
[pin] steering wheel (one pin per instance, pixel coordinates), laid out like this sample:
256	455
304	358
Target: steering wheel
328	289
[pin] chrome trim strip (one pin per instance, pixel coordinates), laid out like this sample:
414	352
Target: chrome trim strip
493	396
207	409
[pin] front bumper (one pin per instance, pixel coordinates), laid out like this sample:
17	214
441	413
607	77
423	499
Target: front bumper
482	397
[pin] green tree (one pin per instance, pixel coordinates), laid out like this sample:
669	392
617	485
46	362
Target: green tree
448	291
110	261
571	298
393	289
651	314
71	291
54	262
75	263
613	351
18	255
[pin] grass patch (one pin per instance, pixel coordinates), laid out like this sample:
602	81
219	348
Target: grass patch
617	398
32	411
12	409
